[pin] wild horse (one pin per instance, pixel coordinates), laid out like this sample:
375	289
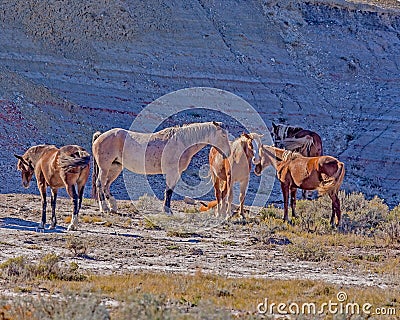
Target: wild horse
294	138
235	168
168	152
67	167
324	173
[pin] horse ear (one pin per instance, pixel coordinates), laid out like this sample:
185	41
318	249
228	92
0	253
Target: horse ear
19	157
274	125
29	164
217	124
247	135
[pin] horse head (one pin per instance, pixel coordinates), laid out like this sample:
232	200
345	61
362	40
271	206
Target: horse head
220	139
26	168
266	160
252	144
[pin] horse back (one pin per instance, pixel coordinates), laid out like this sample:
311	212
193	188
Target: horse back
109	145
73	158
328	165
316	147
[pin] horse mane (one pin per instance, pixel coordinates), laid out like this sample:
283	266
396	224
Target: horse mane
35	152
190	134
290	155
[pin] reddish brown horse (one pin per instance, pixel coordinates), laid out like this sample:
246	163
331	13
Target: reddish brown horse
235	168
323	173
67	167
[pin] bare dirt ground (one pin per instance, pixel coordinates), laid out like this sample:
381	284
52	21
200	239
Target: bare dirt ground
140	238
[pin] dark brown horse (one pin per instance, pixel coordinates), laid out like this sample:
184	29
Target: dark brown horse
297	139
67	167
306	142
323	173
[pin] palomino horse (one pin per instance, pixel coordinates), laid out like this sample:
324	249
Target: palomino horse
235	168
168	152
294	171
67	167
306	142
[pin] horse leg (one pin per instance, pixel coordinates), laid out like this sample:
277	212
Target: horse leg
218	196
71	190
171	180
113	173
293	193
53	208
229	199
285	192
100	183
335	209
224	197
81	182
42	189
242	196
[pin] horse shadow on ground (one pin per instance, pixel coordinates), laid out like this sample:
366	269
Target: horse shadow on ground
27	225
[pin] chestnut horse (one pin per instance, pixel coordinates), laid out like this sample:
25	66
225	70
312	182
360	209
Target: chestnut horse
324	173
67	167
235	168
306	142
168	152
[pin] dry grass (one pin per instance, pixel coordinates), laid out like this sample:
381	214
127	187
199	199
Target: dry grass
201	296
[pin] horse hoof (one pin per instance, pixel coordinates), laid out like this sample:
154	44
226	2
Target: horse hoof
72	227
167	211
52	227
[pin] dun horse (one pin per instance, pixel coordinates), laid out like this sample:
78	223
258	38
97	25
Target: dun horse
235	168
306	142
168	152
294	171
67	167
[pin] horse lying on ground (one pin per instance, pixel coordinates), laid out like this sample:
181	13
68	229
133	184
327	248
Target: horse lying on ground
235	168
323	173
307	143
67	167
168	152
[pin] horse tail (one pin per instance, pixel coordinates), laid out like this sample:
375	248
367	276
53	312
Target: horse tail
210	205
72	157
95	172
333	183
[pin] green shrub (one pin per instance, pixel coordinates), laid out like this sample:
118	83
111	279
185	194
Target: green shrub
390	227
363	216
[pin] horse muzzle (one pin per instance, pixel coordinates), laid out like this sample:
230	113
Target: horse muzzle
26	184
258	169
256	160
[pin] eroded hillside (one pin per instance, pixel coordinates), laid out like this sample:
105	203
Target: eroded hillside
67	71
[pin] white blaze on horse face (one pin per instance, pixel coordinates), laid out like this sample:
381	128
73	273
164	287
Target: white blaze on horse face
256	158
